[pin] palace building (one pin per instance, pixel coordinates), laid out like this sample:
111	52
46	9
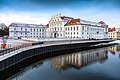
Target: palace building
60	27
21	30
68	27
56	26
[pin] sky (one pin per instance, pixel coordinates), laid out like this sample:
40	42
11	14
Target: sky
40	11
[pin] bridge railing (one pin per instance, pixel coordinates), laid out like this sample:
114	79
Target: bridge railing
11	49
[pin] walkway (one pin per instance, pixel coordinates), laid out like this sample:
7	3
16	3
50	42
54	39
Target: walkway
27	46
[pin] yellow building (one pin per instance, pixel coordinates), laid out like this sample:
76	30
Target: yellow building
114	33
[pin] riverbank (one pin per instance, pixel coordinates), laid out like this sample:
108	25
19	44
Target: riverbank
18	55
26	62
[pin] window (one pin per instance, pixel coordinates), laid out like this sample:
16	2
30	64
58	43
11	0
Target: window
87	28
61	28
65	28
82	27
82	32
42	30
25	29
77	27
14	29
74	28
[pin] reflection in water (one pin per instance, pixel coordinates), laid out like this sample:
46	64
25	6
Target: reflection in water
96	64
114	49
78	60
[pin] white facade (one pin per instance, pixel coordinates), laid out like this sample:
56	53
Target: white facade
61	27
67	27
82	29
19	30
56	27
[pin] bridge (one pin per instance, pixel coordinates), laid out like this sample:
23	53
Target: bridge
19	53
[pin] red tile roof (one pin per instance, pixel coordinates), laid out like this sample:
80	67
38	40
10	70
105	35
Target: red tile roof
73	21
111	29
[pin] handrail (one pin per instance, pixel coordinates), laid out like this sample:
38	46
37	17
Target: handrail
45	44
15	48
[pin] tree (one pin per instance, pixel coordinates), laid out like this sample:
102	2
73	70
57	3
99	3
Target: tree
4	30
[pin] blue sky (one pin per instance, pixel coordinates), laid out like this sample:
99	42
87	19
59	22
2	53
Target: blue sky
40	11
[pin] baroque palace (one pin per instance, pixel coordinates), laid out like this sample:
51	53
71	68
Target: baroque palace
61	27
68	27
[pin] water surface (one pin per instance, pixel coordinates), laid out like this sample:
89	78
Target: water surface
95	64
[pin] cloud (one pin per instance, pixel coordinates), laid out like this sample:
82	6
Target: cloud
25	17
34	5
40	11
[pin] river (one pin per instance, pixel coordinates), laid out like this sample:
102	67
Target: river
95	64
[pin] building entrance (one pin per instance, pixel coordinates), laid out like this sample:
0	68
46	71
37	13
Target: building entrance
55	35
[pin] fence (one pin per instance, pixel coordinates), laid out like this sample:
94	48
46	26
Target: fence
10	49
7	47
